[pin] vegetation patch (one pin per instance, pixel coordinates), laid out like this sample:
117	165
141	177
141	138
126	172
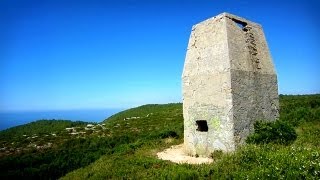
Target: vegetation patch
126	147
278	132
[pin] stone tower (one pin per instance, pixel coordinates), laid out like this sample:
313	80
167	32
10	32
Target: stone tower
228	83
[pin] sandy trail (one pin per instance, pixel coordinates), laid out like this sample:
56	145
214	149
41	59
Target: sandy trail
176	154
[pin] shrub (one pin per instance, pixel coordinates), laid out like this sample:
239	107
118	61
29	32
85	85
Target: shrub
163	134
216	155
277	132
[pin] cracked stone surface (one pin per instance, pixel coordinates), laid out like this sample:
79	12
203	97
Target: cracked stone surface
229	81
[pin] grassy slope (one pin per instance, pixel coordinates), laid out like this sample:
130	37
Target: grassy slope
37	127
42	131
150	134
69	152
147	121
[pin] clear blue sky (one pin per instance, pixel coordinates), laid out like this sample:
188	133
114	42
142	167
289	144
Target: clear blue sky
110	54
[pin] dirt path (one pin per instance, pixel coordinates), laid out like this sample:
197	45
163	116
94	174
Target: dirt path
176	154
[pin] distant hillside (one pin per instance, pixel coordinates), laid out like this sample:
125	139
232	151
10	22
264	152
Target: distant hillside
124	146
76	144
37	127
147	120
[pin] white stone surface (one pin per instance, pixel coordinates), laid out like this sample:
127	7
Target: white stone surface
228	80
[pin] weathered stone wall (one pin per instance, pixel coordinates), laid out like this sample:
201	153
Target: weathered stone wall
228	81
207	88
253	78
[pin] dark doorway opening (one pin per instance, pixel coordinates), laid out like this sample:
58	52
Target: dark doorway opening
202	125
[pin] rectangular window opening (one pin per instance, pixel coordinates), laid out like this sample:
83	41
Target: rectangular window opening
202	125
240	24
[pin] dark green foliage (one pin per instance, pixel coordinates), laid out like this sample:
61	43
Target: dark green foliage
300	160
167	134
299	108
125	137
217	154
37	127
54	163
127	149
163	134
272	132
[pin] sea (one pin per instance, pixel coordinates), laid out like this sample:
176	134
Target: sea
11	119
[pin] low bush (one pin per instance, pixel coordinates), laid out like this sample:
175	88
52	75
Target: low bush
167	134
277	132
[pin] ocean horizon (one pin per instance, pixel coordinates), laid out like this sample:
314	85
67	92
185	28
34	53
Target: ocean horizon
16	118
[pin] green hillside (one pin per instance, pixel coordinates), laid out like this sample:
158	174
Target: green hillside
46	148
124	146
37	127
137	160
